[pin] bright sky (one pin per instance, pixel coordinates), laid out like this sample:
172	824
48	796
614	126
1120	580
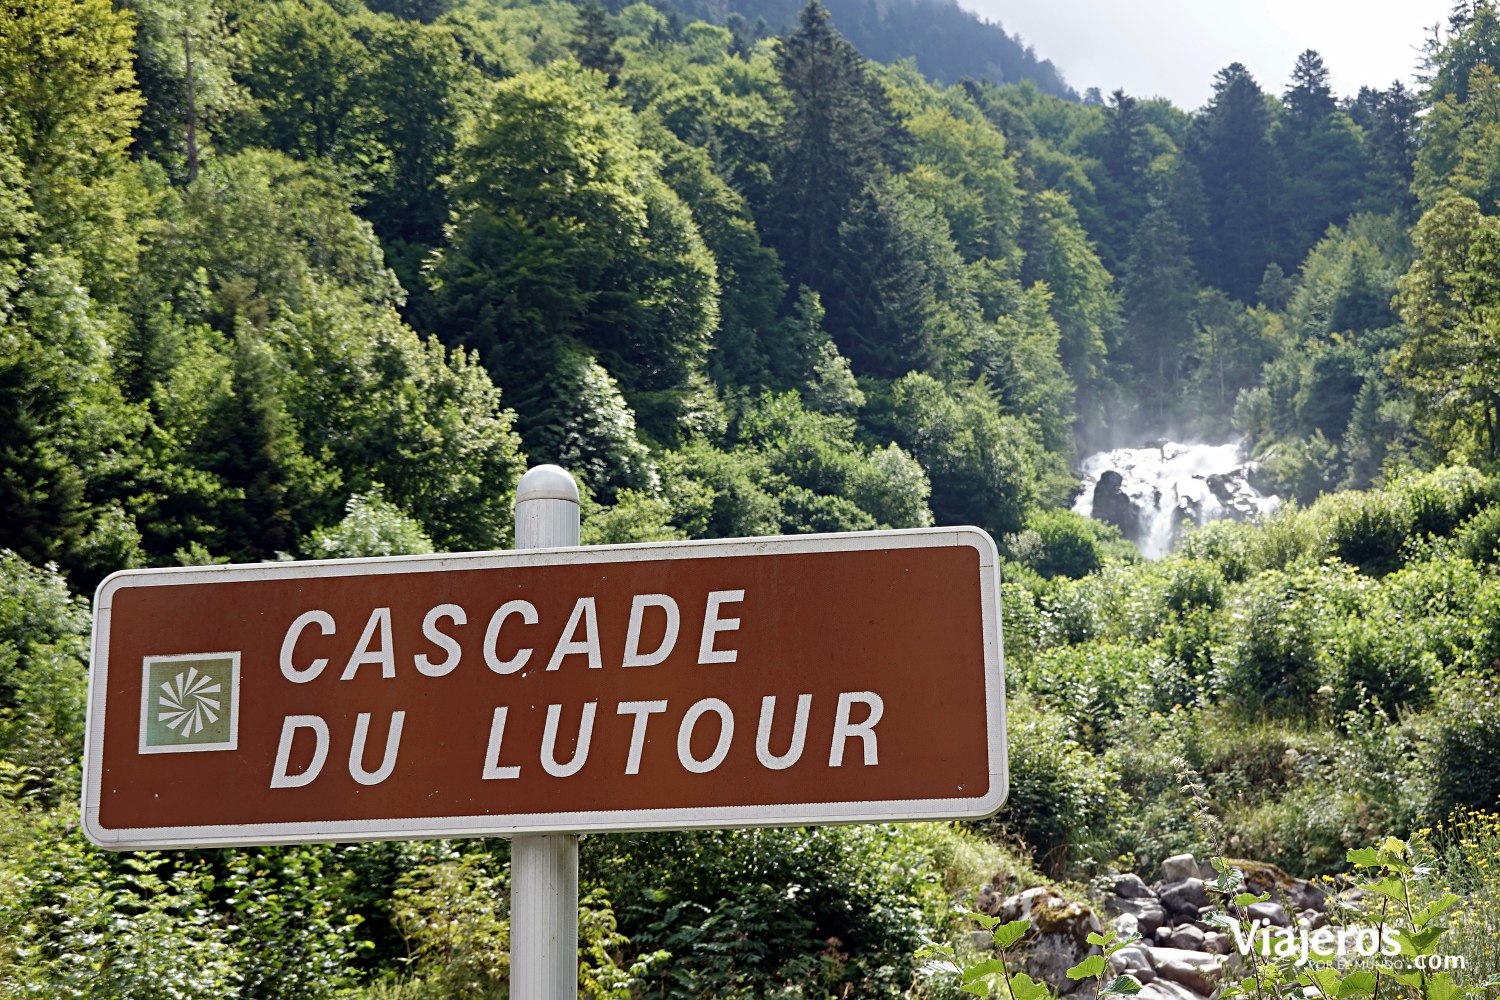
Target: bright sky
1173	48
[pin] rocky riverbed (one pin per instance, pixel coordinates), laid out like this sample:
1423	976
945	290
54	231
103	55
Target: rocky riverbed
1180	955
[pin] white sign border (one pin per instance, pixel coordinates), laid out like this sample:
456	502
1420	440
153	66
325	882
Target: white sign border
608	821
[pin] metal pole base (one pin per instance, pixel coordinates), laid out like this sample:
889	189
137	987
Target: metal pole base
544	917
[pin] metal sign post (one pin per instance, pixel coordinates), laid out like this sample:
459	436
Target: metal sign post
544	868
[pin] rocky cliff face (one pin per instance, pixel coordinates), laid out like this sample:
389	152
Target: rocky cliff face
1152	493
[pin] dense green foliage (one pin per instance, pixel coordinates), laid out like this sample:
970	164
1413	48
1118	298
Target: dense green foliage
310	279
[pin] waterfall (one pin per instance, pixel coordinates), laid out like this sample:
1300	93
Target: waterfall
1150	493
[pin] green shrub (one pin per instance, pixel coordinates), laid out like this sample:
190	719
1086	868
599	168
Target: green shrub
1021	626
1438	501
372	526
453	912
1286	538
1373	664
1270	665
77	924
1069	615
1186	664
1247	762
1479	536
44	634
1466	746
1061	795
1377	762
1447	609
1119	602
296	937
1302	466
1094	684
1366	530
1155	825
1193	583
817	912
1485	627
1305	830
1371	529
1229	545
1061	543
636	516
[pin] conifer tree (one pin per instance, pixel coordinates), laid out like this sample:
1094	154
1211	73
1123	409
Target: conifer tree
1158	292
1240	169
1323	154
838	134
594	43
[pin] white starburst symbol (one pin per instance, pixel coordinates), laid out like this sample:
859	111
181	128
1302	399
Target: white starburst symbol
189	702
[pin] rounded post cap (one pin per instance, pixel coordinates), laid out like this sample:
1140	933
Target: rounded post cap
547	482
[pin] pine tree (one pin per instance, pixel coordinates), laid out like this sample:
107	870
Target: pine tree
1309	99
1241	172
838	134
593	45
881	297
1124	153
1473	40
1125	188
1389	121
1323	154
1158	291
254	445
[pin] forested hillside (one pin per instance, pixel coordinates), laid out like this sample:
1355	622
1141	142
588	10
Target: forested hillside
287	279
948	42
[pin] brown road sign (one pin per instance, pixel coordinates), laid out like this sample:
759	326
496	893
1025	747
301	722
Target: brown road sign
757	682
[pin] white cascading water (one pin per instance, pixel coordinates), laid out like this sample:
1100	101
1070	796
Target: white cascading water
1164	486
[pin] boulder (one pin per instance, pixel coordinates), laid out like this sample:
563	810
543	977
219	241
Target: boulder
1196	970
1314	919
1183	899
1187	936
1133	960
1307	896
1299	894
1165	989
1179	867
1113	505
1058	939
1272	913
1132	886
1217	943
1148	914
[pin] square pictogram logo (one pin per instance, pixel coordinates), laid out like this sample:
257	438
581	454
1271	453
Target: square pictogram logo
190	702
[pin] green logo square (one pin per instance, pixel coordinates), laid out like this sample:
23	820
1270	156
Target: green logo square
190	702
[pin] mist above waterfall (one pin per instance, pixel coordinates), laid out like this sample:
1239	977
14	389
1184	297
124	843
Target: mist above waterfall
1151	493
